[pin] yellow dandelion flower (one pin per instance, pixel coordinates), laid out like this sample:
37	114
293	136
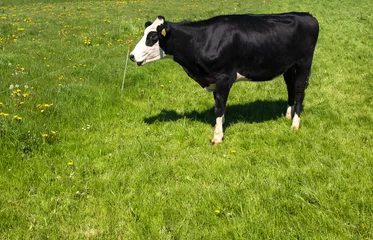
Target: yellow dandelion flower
20	29
1	103
45	135
53	132
87	42
19	118
42	110
217	211
162	86
25	95
70	163
18	90
6	114
21	103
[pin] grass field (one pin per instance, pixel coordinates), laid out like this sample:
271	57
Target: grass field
81	158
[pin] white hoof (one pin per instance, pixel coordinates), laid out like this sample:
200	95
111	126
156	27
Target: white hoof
218	132
296	122
289	112
216	141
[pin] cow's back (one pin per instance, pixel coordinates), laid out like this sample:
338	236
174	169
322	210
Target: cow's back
259	47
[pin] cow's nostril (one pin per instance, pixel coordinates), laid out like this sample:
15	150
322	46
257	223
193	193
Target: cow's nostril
132	57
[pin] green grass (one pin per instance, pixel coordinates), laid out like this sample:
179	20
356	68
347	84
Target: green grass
103	163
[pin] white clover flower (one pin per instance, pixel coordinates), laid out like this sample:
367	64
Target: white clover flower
11	86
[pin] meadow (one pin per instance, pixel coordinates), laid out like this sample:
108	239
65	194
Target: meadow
82	158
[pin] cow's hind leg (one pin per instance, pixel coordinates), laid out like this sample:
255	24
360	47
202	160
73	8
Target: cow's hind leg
302	72
289	77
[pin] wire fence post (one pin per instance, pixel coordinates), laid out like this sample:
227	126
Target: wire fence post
128	42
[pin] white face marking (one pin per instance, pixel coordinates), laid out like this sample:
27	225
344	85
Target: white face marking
144	54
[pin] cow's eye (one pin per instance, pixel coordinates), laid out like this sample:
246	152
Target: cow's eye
151	39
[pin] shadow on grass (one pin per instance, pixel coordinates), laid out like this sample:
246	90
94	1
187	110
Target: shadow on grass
253	112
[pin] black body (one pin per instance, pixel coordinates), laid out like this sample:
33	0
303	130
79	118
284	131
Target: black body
258	47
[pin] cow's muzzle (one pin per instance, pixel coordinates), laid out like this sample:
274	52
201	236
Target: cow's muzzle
132	57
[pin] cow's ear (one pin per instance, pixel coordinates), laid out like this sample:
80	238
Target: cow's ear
147	24
163	30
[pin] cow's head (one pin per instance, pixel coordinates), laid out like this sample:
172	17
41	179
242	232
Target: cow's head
148	49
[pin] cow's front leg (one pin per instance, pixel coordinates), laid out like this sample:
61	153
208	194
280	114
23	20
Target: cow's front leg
220	106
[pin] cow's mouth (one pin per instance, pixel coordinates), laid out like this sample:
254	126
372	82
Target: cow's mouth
132	57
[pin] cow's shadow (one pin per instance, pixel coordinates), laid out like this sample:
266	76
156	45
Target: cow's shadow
252	112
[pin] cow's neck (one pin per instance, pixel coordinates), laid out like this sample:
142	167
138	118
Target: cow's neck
179	42
180	46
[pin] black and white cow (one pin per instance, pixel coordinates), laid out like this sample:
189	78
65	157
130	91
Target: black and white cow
222	50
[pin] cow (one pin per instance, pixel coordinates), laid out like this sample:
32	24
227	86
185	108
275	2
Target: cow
222	50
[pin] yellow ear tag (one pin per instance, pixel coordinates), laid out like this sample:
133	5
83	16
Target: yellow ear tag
163	32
